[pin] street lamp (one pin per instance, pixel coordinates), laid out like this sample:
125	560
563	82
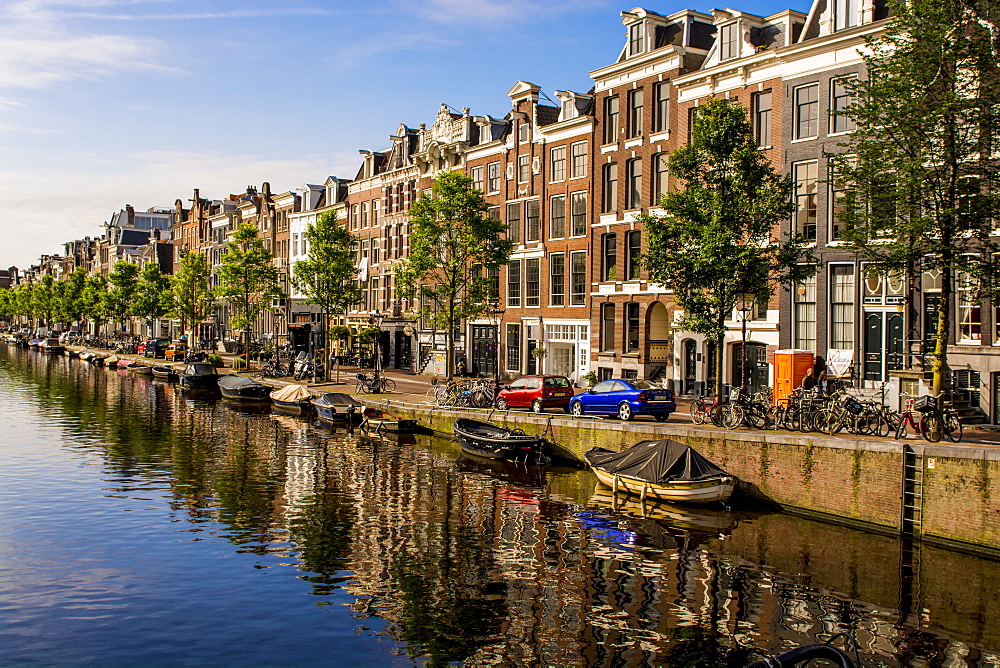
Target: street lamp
495	315
375	319
745	313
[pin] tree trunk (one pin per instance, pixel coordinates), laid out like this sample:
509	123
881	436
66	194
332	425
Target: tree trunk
939	367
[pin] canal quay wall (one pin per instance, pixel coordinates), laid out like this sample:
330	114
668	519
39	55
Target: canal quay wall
957	493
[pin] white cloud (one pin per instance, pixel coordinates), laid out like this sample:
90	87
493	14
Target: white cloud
44	210
505	11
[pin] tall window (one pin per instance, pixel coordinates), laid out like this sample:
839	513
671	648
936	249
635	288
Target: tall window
514	221
659	176
631	327
532	225
806	111
355	217
514	283
970	318
558	162
523	168
842	306
633	189
633	260
364	215
609	199
661	110
557	217
513	340
578	159
607	326
805	314
805	198
532	281
692	114
845	14
611	119
609	257
635	39
578	213
477	177
635	112
728	42
578	278
838	190
840	99
557	279
762	118
493	177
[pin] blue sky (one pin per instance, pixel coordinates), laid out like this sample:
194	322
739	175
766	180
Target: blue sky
105	103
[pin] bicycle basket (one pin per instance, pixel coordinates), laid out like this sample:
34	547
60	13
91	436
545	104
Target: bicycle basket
925	404
851	404
361	376
734	394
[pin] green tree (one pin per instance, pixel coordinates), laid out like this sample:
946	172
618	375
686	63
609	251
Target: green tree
153	298
25	303
715	243
248	280
454	248
43	300
122	282
328	274
921	163
94	300
71	305
194	299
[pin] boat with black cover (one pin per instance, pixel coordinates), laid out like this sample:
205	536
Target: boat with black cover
486	439
241	388
337	407
665	469
200	375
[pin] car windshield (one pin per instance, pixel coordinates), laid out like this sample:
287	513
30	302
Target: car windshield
557	382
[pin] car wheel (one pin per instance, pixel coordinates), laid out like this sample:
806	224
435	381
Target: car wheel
501	404
536	406
661	417
625	411
576	408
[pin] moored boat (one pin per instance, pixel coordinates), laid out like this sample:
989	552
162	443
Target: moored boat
486	439
241	388
51	346
164	373
378	420
142	369
201	375
336	407
292	398
665	469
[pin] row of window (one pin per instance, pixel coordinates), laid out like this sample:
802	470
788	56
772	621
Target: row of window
567	214
805	109
633	186
635	116
524	285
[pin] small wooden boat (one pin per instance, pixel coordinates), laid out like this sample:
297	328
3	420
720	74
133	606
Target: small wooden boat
35	343
200	375
141	369
377	420
125	363
337	407
486	439
164	373
665	470
241	388
51	346
292	398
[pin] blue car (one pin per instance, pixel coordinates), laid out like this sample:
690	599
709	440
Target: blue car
626	399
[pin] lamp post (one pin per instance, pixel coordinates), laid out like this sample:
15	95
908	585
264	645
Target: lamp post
744	312
375	319
495	315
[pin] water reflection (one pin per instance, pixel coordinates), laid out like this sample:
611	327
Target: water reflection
400	550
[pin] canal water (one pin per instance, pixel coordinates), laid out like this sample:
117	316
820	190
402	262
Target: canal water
143	525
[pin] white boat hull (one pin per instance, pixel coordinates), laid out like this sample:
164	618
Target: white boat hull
708	490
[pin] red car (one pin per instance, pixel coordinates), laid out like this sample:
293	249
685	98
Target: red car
537	393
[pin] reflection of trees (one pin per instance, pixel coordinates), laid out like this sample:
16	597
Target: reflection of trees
450	608
700	646
322	531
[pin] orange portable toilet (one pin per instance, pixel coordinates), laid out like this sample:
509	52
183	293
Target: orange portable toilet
789	369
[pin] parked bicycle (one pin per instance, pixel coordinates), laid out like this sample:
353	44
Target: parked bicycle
934	422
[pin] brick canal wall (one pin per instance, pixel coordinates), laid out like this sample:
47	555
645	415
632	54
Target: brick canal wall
859	480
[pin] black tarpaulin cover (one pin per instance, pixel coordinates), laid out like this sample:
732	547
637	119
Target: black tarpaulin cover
655	461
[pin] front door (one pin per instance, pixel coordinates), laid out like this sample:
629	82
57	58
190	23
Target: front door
561	359
690	365
483	351
756	370
883	344
532	360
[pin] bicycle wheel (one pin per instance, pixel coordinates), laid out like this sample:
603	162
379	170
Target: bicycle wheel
880	425
732	416
822	420
698	413
931	427
431	395
388	385
715	414
952	426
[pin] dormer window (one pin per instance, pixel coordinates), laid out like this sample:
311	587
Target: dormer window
728	43
635	39
485	133
568	109
845	14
